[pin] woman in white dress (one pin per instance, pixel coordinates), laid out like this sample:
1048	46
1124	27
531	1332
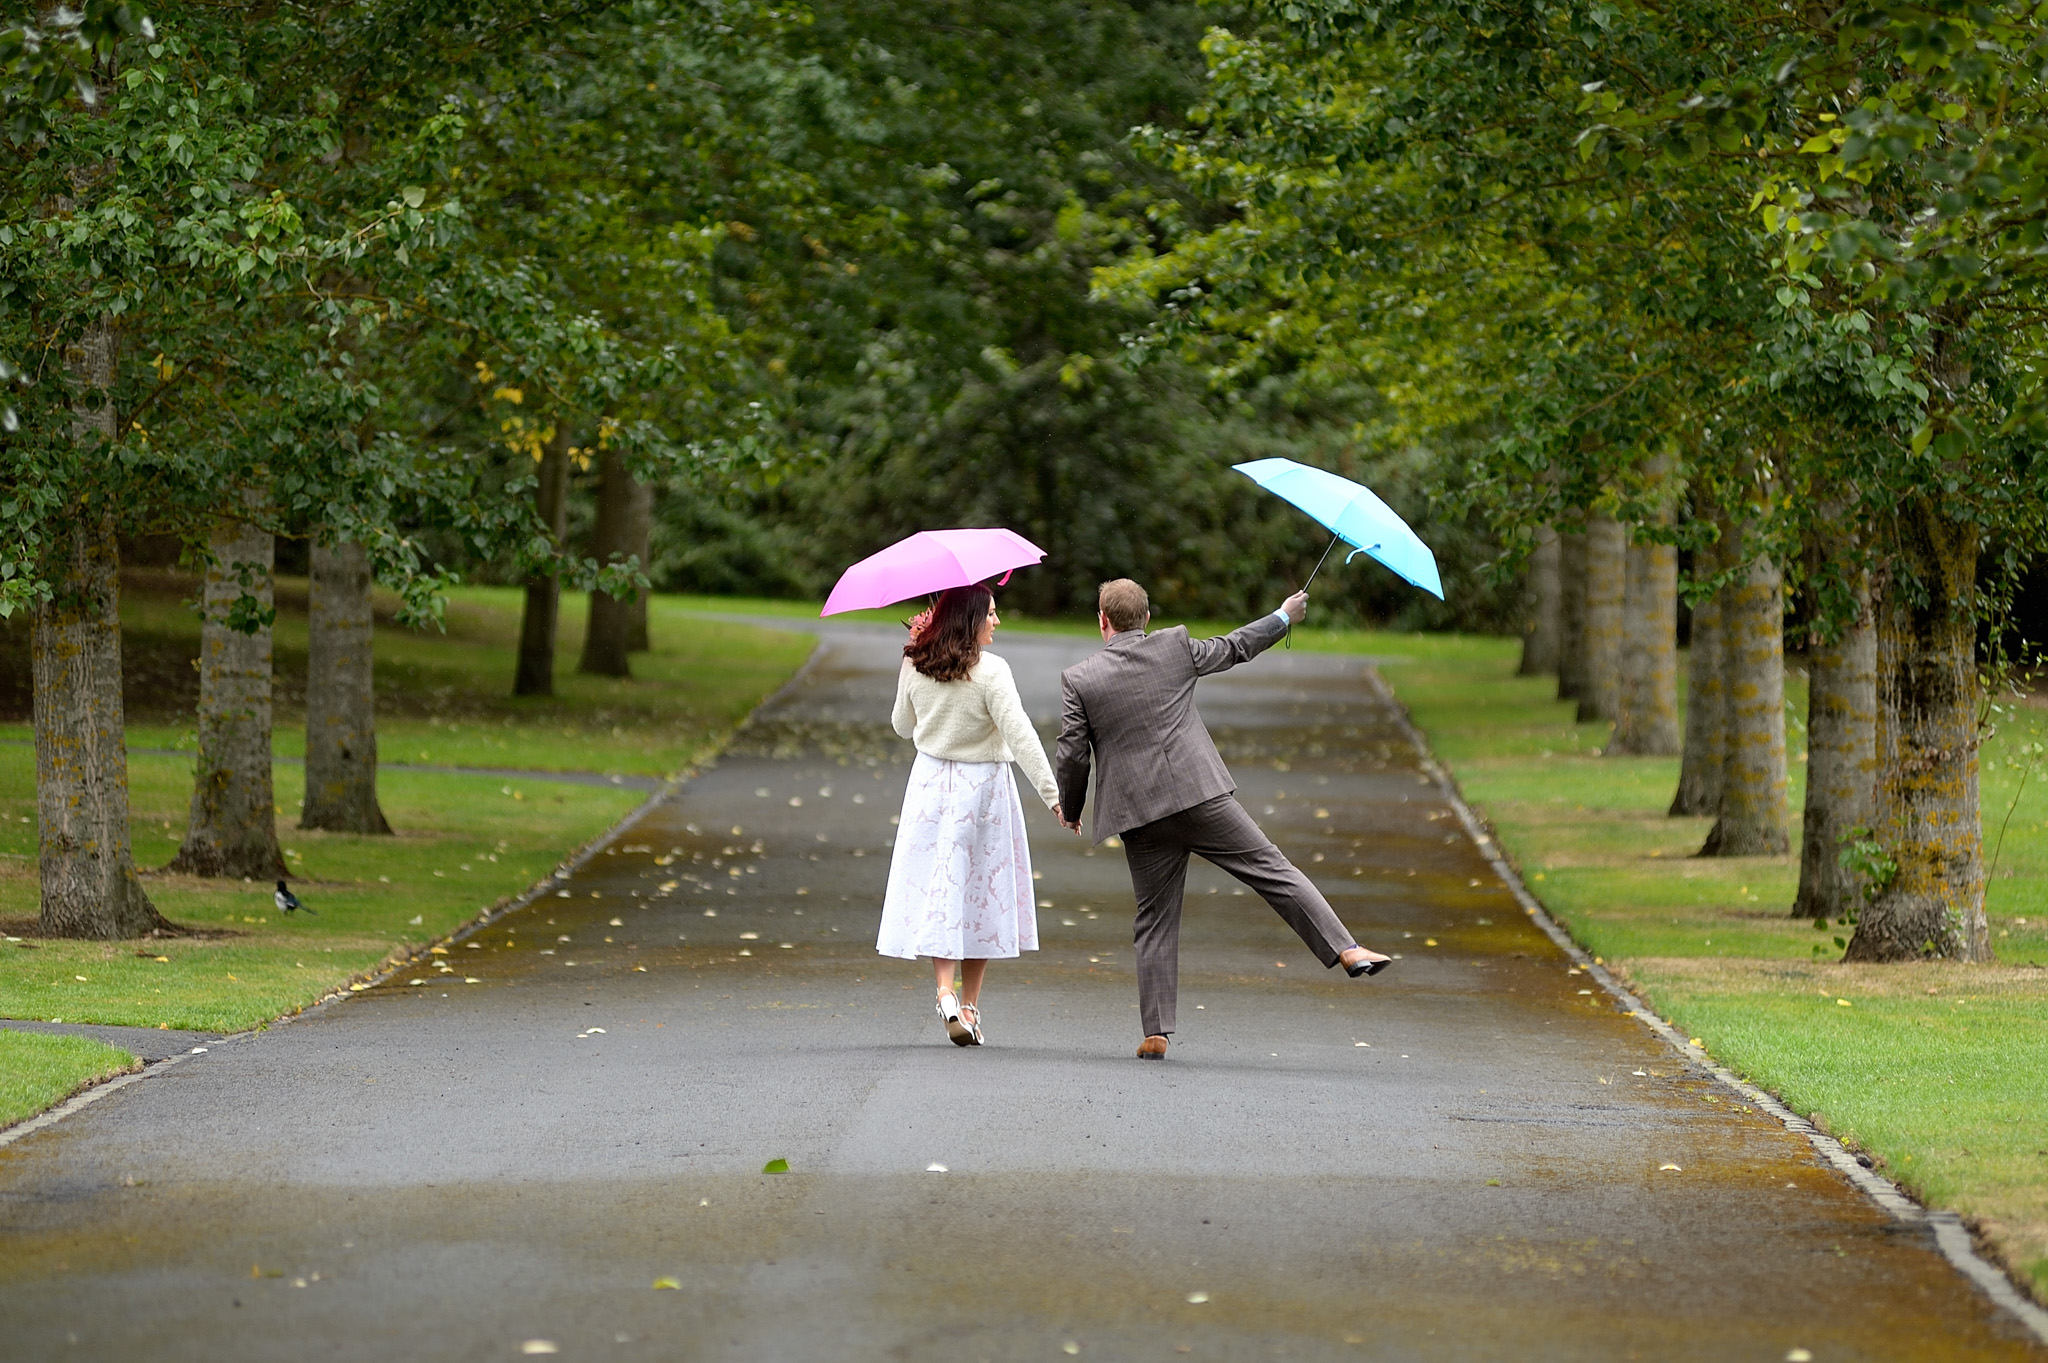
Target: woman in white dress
960	882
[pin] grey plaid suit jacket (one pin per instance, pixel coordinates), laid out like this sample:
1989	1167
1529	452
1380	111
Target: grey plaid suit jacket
1133	706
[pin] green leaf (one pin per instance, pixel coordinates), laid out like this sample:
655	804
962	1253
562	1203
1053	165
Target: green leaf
413	195
776	1166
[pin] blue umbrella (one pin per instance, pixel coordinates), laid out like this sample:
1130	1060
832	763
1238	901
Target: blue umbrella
1353	514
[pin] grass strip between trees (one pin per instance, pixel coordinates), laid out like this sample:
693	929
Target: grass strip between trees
465	843
1939	1072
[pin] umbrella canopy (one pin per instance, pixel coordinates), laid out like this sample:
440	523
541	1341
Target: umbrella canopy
930	561
1353	514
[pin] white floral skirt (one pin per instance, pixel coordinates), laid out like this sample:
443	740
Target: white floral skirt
960	882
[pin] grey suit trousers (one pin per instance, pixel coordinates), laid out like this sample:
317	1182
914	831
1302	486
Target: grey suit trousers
1219	831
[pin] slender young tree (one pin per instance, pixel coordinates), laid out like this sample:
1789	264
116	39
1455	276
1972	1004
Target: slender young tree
538	625
606	639
1753	818
1606	584
1540	606
639	541
1700	763
1571	614
232	829
341	712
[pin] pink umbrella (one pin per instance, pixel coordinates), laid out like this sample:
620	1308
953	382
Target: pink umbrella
930	561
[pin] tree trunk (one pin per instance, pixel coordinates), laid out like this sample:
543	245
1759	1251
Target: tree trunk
537	628
1648	724
1571	614
639	535
232	829
606	641
1841	759
89	886
1540	607
1926	811
1699	770
341	721
1606	580
1754	818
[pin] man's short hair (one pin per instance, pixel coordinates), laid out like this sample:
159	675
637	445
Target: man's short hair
1124	604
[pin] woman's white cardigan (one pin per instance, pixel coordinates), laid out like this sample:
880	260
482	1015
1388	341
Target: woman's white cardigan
977	719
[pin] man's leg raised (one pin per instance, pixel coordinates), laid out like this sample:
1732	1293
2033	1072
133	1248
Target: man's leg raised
1223	834
1159	877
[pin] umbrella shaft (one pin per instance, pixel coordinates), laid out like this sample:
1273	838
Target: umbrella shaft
1320	562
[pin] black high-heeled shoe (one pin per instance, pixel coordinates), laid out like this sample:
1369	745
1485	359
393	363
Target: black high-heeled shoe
1367	967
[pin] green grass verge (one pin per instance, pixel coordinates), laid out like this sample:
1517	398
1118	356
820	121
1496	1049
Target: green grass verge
38	1071
1940	1072
464	843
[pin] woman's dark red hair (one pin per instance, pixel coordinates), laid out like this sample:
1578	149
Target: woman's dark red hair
949	645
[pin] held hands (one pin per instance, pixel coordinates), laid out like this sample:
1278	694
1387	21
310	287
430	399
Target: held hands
1296	607
1072	826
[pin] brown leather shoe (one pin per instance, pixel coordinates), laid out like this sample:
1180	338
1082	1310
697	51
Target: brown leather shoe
1152	1048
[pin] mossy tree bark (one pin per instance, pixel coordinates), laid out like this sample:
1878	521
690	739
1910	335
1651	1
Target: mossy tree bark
539	625
89	886
1841	754
341	715
1606	583
232	829
1699	769
1540	607
607	638
1754	818
1927	818
1571	613
1648	722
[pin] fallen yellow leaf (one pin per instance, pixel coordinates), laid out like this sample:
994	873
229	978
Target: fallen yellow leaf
669	1284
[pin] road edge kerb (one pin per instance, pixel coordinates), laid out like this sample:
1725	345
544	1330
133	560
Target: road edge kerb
85	1096
1951	1236
93	1092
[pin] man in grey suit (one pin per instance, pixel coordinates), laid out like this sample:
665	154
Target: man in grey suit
1161	785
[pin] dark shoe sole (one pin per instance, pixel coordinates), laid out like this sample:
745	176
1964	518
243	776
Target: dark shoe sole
1366	968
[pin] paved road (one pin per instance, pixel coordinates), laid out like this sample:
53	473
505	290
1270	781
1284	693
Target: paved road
1459	1160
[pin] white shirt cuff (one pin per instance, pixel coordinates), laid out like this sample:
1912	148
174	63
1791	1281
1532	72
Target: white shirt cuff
1281	616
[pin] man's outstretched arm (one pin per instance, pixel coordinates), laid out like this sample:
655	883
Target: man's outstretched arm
1248	641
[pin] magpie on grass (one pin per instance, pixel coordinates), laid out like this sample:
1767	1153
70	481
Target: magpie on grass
287	901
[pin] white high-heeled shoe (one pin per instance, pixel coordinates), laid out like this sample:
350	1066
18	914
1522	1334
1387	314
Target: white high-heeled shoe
956	1026
971	1015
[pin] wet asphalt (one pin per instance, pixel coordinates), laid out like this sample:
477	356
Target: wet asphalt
1461	1159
